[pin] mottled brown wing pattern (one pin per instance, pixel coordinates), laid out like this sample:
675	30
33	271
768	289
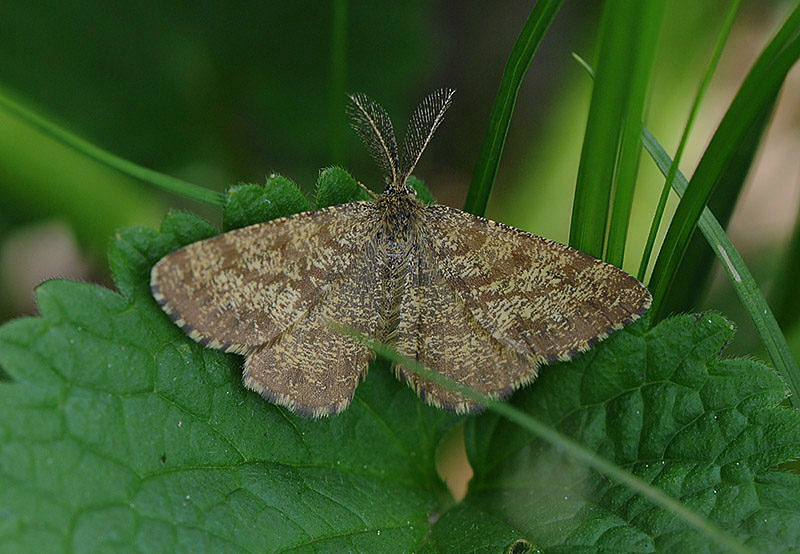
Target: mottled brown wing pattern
313	368
477	301
437	329
539	298
242	289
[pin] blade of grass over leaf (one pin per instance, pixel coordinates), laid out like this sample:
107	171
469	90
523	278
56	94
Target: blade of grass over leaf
663	403
758	90
338	82
640	62
522	53
722	39
740	277
160	447
562	442
171	184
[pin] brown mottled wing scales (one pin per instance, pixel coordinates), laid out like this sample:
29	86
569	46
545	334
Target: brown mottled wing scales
437	329
539	298
240	290
477	301
265	291
312	368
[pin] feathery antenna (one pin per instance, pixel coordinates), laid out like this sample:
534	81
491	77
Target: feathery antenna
373	125
423	124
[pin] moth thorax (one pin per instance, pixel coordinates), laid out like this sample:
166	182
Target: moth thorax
399	217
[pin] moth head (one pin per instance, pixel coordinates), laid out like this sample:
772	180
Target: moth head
374	126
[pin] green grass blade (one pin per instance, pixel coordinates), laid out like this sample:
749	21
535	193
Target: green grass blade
740	277
784	293
759	88
108	159
565	444
640	68
338	83
522	53
615	113
584	64
722	39
691	280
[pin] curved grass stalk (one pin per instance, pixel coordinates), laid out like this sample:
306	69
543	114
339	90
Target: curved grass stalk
740	277
759	89
170	184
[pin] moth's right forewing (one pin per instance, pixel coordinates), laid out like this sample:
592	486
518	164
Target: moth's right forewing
540	298
437	329
242	289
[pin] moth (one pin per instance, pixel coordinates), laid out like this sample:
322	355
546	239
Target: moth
478	301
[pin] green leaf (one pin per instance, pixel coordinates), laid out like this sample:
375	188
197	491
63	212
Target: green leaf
722	38
336	186
693	276
661	404
645	31
740	278
108	159
247	204
784	295
423	194
118	433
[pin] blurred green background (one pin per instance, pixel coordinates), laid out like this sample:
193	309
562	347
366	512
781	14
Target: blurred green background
219	93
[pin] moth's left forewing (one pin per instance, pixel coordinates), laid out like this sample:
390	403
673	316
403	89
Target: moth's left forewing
270	291
242	289
540	298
